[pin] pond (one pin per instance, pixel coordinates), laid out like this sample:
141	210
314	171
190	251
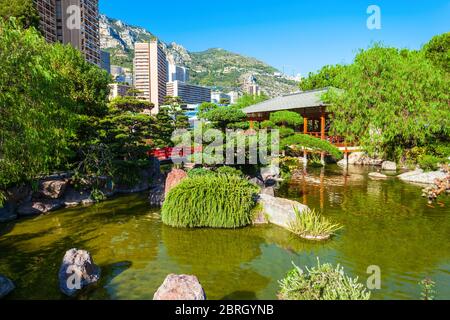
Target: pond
387	224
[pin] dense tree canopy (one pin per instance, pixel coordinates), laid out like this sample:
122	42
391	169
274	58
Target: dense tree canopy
222	117
438	51
392	100
326	77
45	91
23	10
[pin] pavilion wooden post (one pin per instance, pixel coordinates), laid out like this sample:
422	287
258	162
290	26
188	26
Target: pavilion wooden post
322	135
305	131
252	124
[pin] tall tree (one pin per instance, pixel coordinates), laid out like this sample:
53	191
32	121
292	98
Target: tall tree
392	100
23	10
326	77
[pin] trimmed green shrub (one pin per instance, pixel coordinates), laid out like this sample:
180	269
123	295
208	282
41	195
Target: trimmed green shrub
222	201
286	132
230	171
324	282
315	144
267	124
286	118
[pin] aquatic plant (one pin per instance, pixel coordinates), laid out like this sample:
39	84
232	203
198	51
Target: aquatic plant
428	291
222	201
311	225
324	282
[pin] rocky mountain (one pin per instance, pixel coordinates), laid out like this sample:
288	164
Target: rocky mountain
214	67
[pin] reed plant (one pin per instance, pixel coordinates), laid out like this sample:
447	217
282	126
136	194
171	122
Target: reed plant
311	225
215	201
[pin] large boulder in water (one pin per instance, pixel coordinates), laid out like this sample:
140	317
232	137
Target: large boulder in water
180	287
6	286
389	166
279	211
173	179
77	272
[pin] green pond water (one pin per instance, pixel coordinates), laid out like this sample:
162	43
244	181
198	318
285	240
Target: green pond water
387	223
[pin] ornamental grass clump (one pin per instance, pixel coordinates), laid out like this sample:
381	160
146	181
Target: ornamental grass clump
222	201
311	225
324	282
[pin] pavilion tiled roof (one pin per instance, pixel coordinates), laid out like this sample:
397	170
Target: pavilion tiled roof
299	100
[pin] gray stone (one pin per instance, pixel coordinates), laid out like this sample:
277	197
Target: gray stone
180	287
377	176
77	271
7	213
73	198
33	208
423	178
280	211
389	166
6	286
270	191
270	172
52	189
258	182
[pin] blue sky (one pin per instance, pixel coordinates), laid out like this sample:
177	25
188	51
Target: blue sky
296	36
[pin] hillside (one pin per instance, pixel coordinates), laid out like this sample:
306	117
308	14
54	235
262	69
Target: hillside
214	67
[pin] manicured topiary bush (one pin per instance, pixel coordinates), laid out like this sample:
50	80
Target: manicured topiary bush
324	282
221	201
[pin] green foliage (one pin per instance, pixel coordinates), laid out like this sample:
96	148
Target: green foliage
226	170
428	291
23	10
429	162
326	77
197	172
162	129
222	201
267	124
286	132
311	143
438	51
46	92
204	108
311	225
393	100
248	100
174	106
222	117
130	104
323	282
286	119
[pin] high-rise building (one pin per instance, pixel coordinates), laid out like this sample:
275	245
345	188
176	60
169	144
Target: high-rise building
190	94
74	22
118	90
150	72
47	23
106	61
251	86
77	23
177	73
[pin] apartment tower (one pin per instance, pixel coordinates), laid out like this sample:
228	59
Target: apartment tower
47	14
74	22
150	73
